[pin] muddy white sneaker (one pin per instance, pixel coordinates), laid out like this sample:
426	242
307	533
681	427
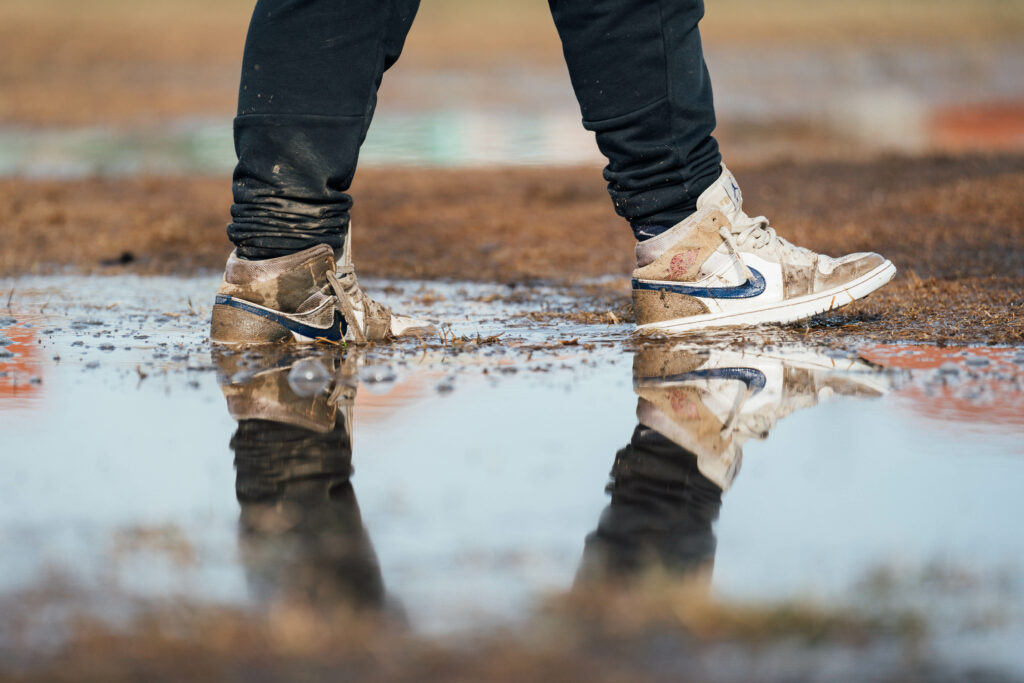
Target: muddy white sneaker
276	300
711	402
301	297
721	268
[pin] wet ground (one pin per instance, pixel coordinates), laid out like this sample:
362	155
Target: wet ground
775	506
951	224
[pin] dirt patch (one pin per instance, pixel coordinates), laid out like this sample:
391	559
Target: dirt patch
951	224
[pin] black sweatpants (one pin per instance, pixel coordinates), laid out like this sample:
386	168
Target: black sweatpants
310	74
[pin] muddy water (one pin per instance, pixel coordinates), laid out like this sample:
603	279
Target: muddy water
454	484
780	102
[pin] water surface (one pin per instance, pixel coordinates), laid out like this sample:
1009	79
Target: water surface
457	484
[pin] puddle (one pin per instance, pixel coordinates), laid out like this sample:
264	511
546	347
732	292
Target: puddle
901	99
455	486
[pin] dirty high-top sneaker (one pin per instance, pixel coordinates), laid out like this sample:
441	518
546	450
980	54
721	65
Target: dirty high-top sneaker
721	268
300	297
279	299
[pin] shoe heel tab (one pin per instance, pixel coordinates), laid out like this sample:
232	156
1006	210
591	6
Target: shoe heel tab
725	192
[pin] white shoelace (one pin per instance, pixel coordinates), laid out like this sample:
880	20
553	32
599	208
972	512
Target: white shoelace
744	229
737	407
727	237
756	228
347	302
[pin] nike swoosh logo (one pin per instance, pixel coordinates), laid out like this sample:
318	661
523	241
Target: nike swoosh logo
752	377
333	333
737	196
748	289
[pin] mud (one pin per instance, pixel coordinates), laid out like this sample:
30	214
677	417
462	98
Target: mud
951	224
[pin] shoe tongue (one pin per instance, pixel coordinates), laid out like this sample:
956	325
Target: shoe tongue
724	194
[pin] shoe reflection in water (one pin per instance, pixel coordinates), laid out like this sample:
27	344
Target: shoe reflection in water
696	409
302	538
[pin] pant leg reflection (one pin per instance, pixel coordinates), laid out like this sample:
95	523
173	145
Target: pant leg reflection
301	536
660	517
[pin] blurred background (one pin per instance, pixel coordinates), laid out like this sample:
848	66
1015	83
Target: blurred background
116	86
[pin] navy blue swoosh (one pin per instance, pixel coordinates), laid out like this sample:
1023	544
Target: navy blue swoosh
748	289
333	333
752	377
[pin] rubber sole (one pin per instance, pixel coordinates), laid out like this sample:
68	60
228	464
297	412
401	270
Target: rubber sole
786	311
